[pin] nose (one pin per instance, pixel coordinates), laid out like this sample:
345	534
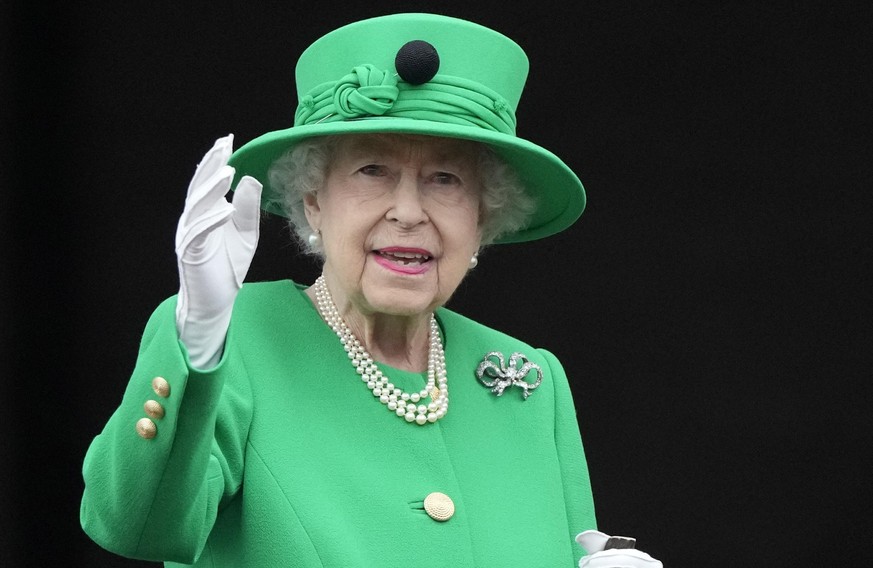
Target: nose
407	206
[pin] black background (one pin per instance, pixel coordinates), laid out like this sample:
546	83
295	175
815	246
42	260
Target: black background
712	306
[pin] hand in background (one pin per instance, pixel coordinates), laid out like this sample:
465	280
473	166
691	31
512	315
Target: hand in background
594	543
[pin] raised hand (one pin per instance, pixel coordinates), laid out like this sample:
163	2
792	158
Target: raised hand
215	244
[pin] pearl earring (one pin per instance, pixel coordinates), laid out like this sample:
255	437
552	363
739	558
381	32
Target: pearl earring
315	240
474	261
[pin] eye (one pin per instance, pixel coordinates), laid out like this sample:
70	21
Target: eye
445	178
374	170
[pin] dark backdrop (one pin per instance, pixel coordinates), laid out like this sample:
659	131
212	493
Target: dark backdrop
712	306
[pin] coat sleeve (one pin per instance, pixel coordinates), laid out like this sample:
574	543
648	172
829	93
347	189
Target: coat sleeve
156	498
574	468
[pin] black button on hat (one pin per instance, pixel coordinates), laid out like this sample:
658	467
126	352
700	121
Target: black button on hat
417	62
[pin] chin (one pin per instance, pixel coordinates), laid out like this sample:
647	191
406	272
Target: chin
401	302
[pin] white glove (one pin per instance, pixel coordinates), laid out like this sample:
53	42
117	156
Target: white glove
593	543
215	244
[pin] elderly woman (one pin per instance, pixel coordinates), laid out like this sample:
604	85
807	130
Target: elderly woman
357	422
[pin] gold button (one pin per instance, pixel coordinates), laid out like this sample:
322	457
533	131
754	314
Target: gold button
439	506
161	387
146	428
154	409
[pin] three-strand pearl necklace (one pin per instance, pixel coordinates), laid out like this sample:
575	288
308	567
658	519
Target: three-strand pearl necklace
427	405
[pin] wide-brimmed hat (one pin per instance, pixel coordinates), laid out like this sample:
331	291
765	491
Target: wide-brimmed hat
421	74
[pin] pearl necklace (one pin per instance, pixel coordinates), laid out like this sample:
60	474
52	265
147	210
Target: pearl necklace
410	406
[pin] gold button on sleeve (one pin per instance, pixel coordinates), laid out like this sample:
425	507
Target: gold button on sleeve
161	387
154	409
439	506
146	428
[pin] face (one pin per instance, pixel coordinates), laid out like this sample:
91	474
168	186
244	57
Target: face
399	221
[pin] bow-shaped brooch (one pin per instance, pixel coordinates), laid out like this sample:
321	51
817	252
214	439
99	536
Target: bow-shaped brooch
503	376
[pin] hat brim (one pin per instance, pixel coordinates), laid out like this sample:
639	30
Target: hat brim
557	191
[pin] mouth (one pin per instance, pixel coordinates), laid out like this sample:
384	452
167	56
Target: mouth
405	260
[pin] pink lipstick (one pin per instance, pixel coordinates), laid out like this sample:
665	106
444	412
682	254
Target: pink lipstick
404	260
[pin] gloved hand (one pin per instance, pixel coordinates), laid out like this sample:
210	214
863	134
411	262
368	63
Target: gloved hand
215	244
594	542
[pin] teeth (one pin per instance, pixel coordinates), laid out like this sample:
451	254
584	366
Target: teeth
406	257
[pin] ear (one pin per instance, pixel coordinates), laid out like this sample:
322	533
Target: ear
312	210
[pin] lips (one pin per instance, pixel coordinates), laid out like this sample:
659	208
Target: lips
405	260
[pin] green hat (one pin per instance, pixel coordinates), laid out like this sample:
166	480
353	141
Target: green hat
421	74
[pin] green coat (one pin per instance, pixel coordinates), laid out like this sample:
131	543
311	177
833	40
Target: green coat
280	456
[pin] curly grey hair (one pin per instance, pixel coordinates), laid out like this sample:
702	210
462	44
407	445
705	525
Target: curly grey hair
504	206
